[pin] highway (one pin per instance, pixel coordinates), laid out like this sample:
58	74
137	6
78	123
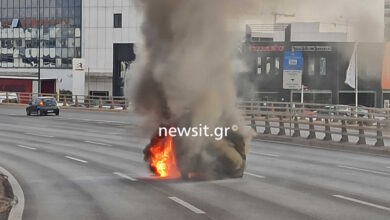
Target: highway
89	165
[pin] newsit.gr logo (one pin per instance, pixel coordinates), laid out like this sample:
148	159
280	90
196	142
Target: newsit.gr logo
79	64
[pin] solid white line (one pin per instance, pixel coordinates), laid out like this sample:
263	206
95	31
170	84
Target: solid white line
76	159
97	143
187	205
26	147
39	135
362	202
254	175
364	170
125	176
264	154
18	208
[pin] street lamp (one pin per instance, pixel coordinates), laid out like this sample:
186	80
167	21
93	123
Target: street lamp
39	47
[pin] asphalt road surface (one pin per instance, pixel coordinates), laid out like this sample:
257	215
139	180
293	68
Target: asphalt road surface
89	165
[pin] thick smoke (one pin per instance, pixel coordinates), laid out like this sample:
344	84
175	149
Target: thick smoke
186	71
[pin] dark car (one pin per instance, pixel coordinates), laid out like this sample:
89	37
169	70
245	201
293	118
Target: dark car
43	106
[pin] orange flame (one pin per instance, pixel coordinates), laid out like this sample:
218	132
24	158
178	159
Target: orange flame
162	158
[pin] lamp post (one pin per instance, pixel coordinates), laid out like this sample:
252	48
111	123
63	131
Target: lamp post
39	47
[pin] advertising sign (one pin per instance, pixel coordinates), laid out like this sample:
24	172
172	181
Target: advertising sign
292	70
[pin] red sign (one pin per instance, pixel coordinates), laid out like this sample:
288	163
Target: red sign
271	48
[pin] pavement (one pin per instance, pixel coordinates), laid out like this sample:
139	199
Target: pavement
89	165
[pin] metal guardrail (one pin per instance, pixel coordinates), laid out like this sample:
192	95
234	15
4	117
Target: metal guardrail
109	102
364	123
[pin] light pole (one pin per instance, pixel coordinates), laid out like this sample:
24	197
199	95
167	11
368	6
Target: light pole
39	47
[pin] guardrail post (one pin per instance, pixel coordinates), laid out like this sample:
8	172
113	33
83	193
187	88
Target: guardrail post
379	134
88	101
328	134
124	105
362	138
267	129
272	108
344	135
6	97
253	122
297	132
282	130
77	101
312	133
64	102
112	103
100	102
370	116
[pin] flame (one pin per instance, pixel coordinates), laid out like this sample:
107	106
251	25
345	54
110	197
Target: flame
162	158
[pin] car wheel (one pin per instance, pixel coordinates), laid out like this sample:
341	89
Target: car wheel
28	112
58	113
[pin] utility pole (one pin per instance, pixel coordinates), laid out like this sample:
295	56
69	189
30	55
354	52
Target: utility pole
39	47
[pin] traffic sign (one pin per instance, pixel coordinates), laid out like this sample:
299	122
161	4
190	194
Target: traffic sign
292	70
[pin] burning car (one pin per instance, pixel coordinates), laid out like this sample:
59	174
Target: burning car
174	157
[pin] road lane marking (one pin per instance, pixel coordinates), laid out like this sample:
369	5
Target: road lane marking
264	154
39	135
97	143
16	212
187	205
76	159
98	121
362	202
125	176
254	175
27	147
364	170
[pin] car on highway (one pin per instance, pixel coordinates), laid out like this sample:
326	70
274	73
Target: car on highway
43	106
342	110
362	111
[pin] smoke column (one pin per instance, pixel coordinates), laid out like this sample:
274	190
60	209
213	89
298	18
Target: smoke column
187	64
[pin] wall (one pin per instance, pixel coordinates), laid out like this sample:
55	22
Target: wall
98	34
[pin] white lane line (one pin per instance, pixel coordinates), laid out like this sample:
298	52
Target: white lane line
98	121
362	202
17	210
254	175
76	159
264	154
97	143
187	205
27	147
364	170
125	176
39	135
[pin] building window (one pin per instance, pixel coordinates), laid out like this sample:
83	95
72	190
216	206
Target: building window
323	66
259	72
268	65
311	66
117	20
277	65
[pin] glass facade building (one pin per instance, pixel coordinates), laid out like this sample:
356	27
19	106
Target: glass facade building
54	24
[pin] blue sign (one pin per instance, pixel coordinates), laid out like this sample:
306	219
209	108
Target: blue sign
293	60
292	70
